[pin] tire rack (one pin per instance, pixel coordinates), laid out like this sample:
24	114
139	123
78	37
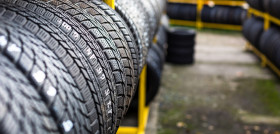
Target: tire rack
143	110
198	23
268	19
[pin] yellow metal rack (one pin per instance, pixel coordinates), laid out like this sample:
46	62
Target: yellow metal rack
268	19
198	23
143	110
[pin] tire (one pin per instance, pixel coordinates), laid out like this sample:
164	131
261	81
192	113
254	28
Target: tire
130	41
213	13
140	21
255	32
270	45
275	4
265	41
44	70
161	37
257	4
22	109
137	34
180	56
180	35
173	10
85	82
151	18
179	61
120	77
205	14
246	27
179	51
159	54
266	5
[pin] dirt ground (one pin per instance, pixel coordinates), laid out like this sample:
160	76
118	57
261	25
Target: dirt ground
224	92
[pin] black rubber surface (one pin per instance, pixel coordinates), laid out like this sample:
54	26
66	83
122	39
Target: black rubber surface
74	60
124	95
129	57
135	20
45	72
22	108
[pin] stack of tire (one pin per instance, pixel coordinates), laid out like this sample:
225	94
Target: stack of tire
223	15
181	11
270	6
71	66
217	14
181	46
266	41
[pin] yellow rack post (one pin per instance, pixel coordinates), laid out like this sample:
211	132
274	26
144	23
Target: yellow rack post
267	20
198	23
143	110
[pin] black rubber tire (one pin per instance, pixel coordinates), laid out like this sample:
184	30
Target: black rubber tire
161	37
265	41
269	44
179	51
151	18
44	70
205	14
257	4
266	5
121	77
22	109
130	41
271	10
179	61
180	56
275	11
255	33
180	35
86	83
140	21
154	72
123	12
159	56
246	27
173	10
213	13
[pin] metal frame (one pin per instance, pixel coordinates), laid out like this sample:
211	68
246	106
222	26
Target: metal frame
143	110
198	23
267	20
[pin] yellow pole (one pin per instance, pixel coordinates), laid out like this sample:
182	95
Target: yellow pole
200	4
111	3
266	21
142	101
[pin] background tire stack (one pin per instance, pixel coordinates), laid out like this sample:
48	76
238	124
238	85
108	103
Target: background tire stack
72	66
181	46
216	14
266	41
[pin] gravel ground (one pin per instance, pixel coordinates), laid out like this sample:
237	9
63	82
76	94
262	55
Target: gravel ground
224	92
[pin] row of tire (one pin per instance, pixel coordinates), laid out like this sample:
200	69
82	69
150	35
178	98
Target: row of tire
72	66
216	14
267	42
270	6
